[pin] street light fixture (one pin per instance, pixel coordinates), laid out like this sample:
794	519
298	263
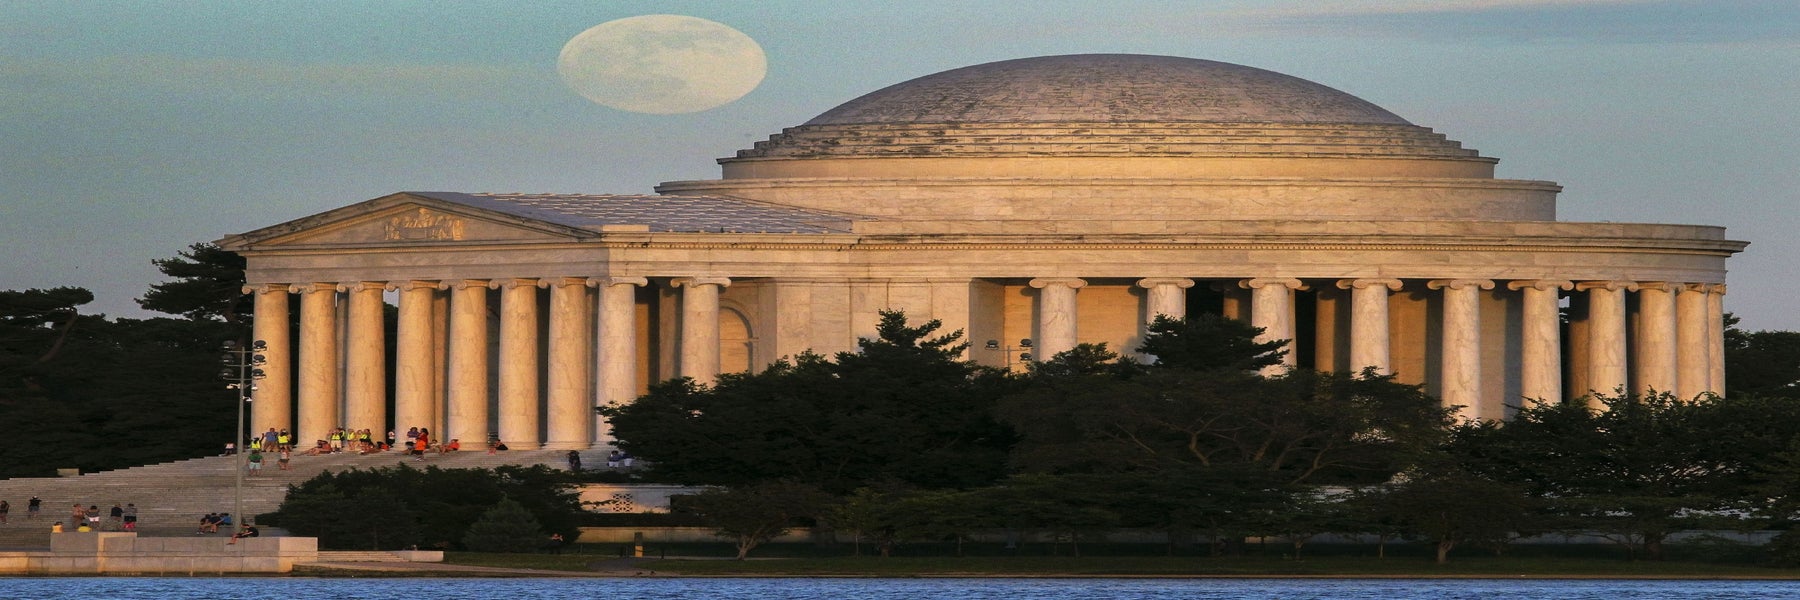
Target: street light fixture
243	366
1024	357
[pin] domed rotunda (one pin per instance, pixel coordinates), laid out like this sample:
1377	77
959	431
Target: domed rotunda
1034	204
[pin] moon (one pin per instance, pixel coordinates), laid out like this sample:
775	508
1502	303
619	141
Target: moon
662	64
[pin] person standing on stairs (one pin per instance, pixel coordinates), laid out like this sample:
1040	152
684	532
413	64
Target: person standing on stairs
130	517
31	508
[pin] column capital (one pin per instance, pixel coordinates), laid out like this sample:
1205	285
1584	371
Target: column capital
1716	288
606	282
1072	283
414	284
462	284
1540	284
1610	285
1660	286
700	281
1457	284
1262	282
308	288
565	282
363	286
1392	285
513	283
267	288
1180	282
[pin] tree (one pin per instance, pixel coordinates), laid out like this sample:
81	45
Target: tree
1762	363
35	324
905	408
1208	341
753	514
507	527
1297	427
1447	506
386	522
1066	506
434	507
1635	471
209	284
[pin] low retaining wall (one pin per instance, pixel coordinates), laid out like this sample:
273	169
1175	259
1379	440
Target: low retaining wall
124	553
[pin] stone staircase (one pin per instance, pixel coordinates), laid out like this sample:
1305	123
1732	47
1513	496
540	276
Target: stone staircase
171	497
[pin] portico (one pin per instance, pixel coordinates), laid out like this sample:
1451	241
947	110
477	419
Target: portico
1363	240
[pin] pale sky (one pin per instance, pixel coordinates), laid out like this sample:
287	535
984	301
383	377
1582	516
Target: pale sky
129	130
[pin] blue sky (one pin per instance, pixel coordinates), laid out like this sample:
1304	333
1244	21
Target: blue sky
130	129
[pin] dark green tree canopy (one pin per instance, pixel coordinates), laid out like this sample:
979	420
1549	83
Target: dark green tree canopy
1762	363
903	408
1208	341
208	284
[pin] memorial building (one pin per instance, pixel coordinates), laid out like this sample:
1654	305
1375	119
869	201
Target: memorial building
1034	204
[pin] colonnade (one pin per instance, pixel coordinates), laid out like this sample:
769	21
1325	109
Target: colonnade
589	353
443	362
1676	345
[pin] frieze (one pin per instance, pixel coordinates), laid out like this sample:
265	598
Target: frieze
422	225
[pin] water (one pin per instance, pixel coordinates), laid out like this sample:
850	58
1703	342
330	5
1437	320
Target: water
297	588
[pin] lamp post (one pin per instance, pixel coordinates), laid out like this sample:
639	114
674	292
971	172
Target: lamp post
1024	357
242	369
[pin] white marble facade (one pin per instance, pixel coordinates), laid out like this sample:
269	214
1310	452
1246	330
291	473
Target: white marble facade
1073	216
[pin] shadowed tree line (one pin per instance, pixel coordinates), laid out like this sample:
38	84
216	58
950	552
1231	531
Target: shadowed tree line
81	390
903	442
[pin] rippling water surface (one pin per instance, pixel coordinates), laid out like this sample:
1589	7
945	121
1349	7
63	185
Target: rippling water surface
897	589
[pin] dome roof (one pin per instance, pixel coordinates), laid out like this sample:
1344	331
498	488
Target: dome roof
1107	88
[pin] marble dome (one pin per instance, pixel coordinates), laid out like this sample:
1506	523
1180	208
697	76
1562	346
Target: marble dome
1107	88
1106	106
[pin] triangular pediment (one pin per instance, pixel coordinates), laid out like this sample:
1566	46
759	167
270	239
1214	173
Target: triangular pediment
404	219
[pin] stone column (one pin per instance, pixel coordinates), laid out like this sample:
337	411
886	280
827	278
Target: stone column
618	348
1056	315
1460	375
1272	309
1656	337
570	406
1370	344
1540	352
1715	328
412	357
1692	373
1165	296
1234	300
365	357
467	399
319	384
1606	336
274	397
700	326
518	402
